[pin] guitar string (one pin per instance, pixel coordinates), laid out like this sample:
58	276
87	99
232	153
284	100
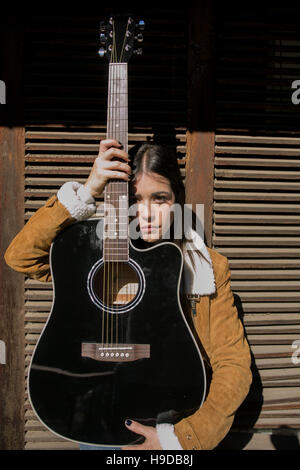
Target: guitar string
113	284
121	219
112	262
107	270
121	213
110	187
108	300
124	295
104	288
124	122
112	208
118	231
110	214
117	225
116	283
123	46
110	273
106	213
117	209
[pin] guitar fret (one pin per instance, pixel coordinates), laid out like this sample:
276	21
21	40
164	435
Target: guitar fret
116	251
111	240
114	238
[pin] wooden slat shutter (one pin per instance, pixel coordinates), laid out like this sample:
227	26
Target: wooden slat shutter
66	116
257	201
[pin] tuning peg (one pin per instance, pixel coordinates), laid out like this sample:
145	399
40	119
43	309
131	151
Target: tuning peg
103	38
102	27
102	52
139	37
138	51
141	25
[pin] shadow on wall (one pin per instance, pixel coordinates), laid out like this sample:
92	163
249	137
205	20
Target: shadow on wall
249	411
285	438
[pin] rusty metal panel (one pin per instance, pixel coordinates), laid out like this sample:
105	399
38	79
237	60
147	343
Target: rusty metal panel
12	290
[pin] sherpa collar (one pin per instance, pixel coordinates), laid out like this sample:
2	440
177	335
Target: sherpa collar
201	280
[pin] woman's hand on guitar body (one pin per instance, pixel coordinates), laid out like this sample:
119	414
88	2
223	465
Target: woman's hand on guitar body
106	167
149	432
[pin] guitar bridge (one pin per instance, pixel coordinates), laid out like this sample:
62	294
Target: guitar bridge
115	352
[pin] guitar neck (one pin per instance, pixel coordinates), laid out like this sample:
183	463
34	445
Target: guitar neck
116	191
117	110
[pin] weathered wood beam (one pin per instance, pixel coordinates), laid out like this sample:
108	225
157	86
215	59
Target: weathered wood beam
12	139
201	127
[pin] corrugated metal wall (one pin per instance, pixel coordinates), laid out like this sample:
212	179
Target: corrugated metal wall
256	200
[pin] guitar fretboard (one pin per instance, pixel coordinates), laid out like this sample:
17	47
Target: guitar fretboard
116	191
117	112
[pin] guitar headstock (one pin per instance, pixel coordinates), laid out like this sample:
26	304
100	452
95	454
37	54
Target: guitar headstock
117	38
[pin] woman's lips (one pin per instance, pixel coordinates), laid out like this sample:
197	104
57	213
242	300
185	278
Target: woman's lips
149	228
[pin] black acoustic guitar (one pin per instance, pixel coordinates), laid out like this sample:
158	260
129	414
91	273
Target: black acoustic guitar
117	344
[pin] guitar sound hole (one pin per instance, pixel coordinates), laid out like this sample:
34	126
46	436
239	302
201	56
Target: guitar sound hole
115	284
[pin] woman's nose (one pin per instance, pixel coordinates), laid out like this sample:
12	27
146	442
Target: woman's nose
146	211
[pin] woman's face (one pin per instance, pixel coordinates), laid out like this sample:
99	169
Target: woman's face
154	198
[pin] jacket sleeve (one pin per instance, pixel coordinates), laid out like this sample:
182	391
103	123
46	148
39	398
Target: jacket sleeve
230	361
28	252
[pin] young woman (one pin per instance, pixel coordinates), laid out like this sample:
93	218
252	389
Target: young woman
156	185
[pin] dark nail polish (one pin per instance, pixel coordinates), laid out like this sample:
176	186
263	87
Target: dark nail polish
128	422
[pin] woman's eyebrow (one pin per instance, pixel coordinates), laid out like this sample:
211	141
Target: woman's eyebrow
167	194
157	193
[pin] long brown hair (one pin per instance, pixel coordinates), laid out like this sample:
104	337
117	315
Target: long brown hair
160	159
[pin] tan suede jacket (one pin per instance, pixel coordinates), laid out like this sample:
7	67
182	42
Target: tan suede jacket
216	323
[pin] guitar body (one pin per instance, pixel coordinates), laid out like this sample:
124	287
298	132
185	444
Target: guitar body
81	391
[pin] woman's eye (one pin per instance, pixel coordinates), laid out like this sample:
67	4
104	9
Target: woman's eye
160	199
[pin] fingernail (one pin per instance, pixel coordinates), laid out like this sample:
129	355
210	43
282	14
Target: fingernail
128	422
